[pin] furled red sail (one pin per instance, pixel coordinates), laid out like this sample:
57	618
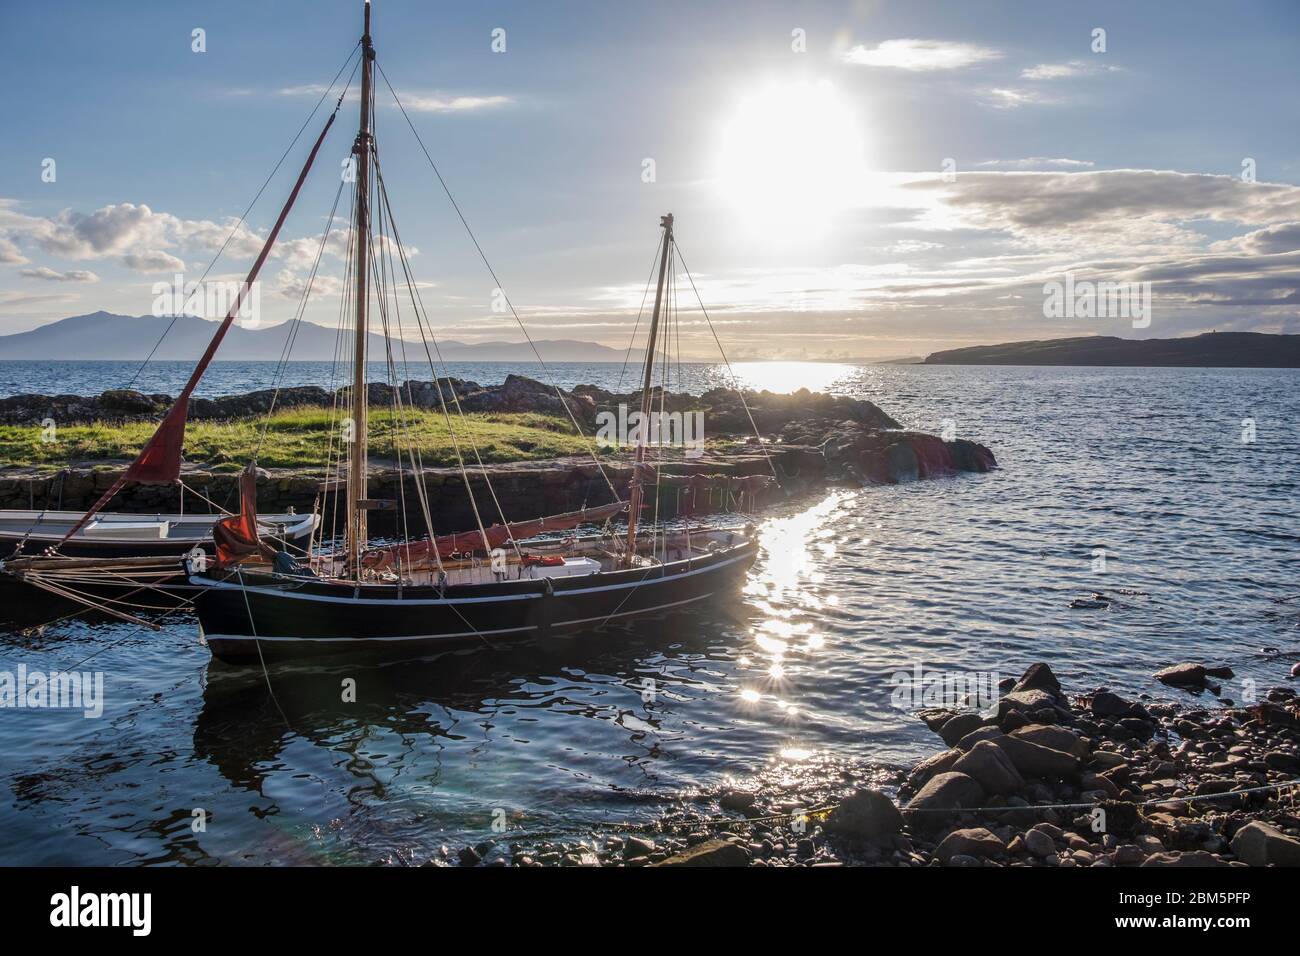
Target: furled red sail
236	535
420	553
159	462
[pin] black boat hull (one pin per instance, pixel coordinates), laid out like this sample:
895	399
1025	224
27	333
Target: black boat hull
285	618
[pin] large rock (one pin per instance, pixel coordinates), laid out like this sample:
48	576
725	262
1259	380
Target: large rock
958	727
930	766
990	732
971	456
1107	704
1035	760
709	853
1193	858
865	815
1057	738
945	791
1260	844
901	464
989	765
1039	843
936	717
976	841
1028	700
1038	677
1182	675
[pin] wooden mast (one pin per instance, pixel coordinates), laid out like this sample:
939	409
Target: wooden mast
358	481
634	498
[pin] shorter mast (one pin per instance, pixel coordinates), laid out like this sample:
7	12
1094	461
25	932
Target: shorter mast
634	499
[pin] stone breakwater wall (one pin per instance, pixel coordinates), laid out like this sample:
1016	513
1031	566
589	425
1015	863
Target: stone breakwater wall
524	489
809	440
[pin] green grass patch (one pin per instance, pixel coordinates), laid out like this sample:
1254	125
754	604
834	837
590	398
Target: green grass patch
300	438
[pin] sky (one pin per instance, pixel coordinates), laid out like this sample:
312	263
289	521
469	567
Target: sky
849	179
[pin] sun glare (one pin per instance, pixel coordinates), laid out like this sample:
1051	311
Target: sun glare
786	377
790	157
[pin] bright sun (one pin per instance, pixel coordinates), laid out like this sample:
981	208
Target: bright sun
790	157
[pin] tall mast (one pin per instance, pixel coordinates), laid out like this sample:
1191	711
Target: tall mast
634	499
357	477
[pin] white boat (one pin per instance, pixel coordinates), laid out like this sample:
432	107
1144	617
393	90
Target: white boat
120	535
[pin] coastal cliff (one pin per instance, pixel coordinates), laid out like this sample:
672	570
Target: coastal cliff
1209	350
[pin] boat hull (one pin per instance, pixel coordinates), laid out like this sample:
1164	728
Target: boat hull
32	532
285	618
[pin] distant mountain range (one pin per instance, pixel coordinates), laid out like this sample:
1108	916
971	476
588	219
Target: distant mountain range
109	337
1208	350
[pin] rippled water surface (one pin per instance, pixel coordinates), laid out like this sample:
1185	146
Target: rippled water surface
1202	545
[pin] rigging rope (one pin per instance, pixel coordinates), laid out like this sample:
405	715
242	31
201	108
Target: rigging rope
730	371
491	271
640	311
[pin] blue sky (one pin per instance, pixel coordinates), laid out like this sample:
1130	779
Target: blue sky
808	184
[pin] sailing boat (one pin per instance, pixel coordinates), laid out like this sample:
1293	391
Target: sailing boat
462	589
501	583
504	580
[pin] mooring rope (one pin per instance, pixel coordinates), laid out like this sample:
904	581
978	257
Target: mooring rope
819	812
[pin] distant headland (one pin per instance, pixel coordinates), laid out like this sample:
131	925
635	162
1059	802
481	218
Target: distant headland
104	336
1208	350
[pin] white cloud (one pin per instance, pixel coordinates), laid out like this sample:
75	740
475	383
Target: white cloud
1060	71
426	102
1037	162
906	246
1010	98
437	103
143	239
155	260
1282	237
290	285
10	254
921	55
1116	206
53	275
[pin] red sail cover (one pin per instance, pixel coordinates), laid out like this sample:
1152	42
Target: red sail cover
419	552
236	535
159	461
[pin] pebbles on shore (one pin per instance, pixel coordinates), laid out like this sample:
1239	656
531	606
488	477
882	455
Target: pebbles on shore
1042	779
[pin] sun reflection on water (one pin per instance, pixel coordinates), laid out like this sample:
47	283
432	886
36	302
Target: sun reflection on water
788	592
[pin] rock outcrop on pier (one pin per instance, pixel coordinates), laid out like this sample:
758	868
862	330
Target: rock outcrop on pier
804	440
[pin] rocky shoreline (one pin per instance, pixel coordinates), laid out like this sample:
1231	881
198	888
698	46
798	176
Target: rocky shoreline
810	440
1040	779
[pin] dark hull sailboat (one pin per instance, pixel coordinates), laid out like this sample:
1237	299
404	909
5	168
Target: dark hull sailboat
501	582
278	616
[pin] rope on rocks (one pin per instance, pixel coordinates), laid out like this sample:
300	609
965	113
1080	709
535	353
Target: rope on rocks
720	822
822	811
1190	798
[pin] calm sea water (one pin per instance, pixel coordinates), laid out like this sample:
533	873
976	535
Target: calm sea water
791	681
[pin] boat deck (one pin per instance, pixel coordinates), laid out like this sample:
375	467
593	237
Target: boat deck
579	556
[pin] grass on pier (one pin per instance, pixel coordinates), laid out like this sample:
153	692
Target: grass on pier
299	438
